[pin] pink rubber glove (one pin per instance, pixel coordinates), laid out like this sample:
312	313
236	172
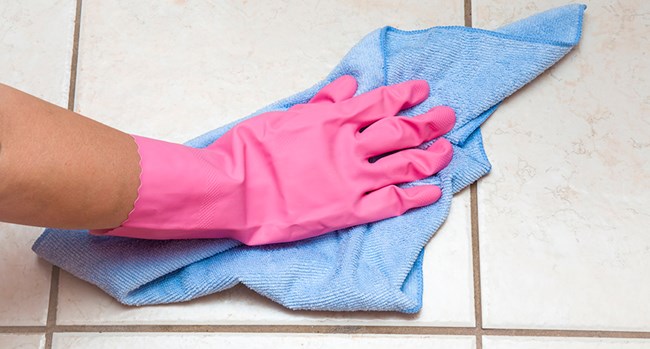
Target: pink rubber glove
290	175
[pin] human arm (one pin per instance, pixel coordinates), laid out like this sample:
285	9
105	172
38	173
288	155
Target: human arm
61	169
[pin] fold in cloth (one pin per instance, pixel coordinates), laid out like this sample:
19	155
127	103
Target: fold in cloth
374	266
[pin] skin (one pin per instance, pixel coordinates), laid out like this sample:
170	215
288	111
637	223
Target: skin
61	169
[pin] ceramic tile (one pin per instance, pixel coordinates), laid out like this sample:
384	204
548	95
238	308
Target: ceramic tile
22	341
563	343
175	70
254	341
25	286
448	295
36	45
564	214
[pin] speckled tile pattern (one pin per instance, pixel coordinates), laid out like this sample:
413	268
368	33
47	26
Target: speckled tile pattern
22	341
564	214
25	286
36	40
175	69
490	342
561	220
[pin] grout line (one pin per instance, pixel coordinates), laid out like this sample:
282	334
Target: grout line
450	331
321	329
468	13
75	58
52	306
476	265
22	329
476	261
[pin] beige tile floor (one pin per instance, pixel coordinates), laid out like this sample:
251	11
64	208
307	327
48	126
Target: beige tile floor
564	254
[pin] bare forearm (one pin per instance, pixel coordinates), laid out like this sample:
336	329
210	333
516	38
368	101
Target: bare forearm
61	169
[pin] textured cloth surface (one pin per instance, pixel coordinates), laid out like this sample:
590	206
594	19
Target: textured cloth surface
375	266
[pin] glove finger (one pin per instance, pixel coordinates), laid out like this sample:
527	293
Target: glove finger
409	165
385	101
393	201
341	89
400	132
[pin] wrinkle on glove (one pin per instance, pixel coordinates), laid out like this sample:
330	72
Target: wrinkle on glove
375	266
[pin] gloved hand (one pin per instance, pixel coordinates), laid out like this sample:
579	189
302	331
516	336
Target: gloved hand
290	175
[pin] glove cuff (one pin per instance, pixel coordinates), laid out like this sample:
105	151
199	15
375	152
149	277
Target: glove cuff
173	181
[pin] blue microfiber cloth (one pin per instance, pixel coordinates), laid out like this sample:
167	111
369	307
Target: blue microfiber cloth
369	267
